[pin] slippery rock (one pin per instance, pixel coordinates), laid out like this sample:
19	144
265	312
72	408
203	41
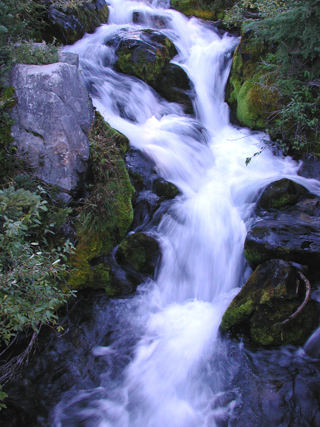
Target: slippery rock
287	227
69	24
273	306
53	117
146	54
140	252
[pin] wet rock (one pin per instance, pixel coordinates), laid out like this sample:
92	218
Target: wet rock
140	252
310	167
154	20
273	293
175	86
143	53
69	24
287	227
250	103
165	189
53	117
146	55
281	193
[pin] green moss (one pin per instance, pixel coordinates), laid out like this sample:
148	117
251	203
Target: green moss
253	257
201	10
252	98
165	189
143	68
107	214
236	314
140	252
265	328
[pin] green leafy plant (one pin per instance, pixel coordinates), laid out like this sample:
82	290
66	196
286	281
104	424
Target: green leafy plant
32	279
289	72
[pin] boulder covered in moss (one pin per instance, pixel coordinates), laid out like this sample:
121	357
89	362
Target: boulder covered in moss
210	10
165	189
140	252
174	85
287	226
250	98
146	54
106	214
143	53
267	306
70	21
282	193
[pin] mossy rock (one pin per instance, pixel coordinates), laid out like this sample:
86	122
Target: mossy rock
251	100
106	214
280	194
265	328
143	54
207	10
267	299
69	24
139	251
288	226
165	189
174	85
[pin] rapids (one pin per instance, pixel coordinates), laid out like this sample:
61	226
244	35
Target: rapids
156	359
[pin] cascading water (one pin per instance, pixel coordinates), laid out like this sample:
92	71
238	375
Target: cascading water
180	372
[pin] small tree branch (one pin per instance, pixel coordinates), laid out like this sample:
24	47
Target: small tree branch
305	301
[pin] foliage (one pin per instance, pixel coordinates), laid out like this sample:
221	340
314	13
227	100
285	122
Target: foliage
31	270
7	101
34	53
290	71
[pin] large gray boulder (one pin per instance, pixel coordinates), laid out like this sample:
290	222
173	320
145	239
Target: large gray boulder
53	117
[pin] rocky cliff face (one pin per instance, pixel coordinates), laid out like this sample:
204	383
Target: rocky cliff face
53	117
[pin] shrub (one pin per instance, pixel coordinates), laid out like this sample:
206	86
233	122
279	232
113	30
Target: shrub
32	280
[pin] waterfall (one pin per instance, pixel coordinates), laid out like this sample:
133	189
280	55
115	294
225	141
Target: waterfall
179	368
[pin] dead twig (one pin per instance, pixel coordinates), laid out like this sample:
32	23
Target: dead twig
305	301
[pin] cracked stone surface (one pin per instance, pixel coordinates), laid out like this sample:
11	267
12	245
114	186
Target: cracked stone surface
53	116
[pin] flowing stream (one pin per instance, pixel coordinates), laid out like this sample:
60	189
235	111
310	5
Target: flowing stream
164	362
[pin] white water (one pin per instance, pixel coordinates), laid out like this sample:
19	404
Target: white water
202	237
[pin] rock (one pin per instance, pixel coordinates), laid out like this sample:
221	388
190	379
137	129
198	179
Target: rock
69	58
146	54
53	117
281	193
69	24
292	233
266	300
144	18
165	189
310	167
143	53
175	86
250	102
140	252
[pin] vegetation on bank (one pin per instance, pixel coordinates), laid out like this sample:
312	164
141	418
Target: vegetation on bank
275	79
274	82
39	266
